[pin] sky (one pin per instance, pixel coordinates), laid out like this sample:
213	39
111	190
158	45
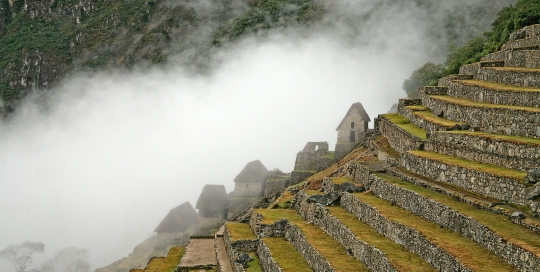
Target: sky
118	149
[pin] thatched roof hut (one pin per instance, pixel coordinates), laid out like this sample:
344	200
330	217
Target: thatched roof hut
213	201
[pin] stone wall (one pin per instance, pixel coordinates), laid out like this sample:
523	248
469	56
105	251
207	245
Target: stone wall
398	138
410	238
298	176
275	185
343	149
501	188
529	58
232	252
483	149
521	43
315	260
239	204
261	230
267	262
324	163
493	96
418	121
248	189
506	121
370	256
520	77
451	219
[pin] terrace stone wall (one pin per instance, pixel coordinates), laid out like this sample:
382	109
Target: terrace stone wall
398	138
522	43
417	121
515	122
501	188
275	185
499	96
232	252
369	255
267	262
314	259
522	78
483	149
343	149
410	238
451	219
298	176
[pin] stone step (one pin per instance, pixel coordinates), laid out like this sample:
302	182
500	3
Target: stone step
400	132
321	252
521	43
516	244
377	252
500	183
486	117
276	254
474	68
494	93
526	32
444	249
514	152
525	77
422	117
525	57
238	237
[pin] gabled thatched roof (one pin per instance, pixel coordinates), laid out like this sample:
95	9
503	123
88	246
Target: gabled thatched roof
253	172
213	197
178	219
358	106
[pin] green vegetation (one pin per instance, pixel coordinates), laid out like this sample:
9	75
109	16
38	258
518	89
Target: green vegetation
254	265
499	86
341	180
500	224
240	231
425	114
508	20
480	167
285	255
500	137
329	155
154	264
172	260
471	254
398	256
404	123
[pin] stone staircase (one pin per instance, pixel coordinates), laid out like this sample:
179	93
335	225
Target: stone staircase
455	187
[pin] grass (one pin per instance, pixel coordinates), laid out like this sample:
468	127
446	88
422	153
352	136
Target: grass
518	69
499	86
329	155
471	254
398	256
173	259
425	114
404	123
285	255
254	265
384	145
316	237
310	171
500	224
154	264
240	231
500	137
470	103
341	180
480	167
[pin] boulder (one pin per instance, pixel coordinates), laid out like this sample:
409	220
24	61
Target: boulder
517	215
348	187
328	199
533	176
244	259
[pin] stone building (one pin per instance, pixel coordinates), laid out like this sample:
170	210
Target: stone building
351	130
213	202
276	181
178	219
314	157
248	188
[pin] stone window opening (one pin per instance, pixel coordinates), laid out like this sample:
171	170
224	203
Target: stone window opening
352	124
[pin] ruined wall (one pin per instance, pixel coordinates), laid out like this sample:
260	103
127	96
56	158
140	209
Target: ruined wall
298	176
501	188
239	204
242	189
360	126
315	260
274	185
410	238
267	262
516	77
369	255
232	253
398	138
451	219
342	149
493	120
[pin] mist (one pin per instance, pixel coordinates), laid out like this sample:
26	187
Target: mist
114	151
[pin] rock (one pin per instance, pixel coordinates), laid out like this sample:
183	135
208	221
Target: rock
457	127
428	134
534	192
315	199
517	215
533	176
280	224
244	259
328	199
465	126
348	187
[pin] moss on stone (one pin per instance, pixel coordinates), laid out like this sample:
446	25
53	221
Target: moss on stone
404	123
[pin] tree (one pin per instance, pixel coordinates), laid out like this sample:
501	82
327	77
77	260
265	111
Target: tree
70	259
21	255
427	75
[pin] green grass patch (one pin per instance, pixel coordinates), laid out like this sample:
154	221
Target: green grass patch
470	103
425	114
254	265
498	86
341	180
329	155
480	167
404	123
500	137
173	259
398	256
384	145
285	255
471	254
500	224
417	108
240	231
517	69
306	171
154	264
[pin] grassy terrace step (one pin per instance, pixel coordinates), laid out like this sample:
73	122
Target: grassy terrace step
285	255
466	251
240	231
500	137
493	92
470	103
399	257
529	77
500	224
404	123
480	167
422	117
332	251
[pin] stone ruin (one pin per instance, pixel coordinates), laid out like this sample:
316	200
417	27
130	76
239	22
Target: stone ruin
351	130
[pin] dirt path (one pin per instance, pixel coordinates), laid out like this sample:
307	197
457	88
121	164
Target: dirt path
200	253
223	260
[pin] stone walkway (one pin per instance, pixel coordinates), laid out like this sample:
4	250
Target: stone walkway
224	263
200	253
